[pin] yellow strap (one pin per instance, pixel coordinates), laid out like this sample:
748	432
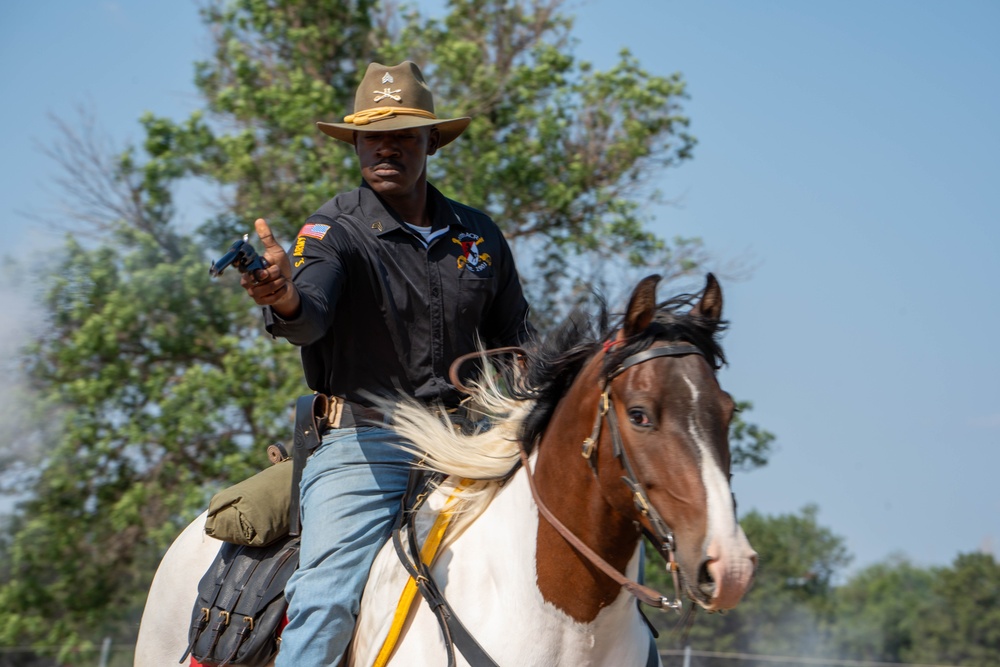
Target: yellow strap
366	116
427	554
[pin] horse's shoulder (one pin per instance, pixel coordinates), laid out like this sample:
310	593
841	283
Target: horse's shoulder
172	594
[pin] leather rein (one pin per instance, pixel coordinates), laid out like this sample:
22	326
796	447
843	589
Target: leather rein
660	534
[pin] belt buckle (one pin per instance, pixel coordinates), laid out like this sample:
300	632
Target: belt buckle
335	412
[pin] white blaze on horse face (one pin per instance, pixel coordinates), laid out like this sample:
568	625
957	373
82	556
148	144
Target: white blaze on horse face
732	560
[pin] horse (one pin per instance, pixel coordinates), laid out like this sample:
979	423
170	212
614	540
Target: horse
606	436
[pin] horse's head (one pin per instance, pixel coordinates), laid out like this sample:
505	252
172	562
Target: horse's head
644	409
668	426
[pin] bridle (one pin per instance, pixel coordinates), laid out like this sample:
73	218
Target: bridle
659	533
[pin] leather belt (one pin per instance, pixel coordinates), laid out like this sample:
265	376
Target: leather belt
342	413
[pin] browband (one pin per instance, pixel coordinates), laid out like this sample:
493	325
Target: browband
652	353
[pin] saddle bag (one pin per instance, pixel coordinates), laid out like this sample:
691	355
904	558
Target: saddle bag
241	604
254	512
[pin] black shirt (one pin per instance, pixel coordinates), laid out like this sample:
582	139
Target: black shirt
384	314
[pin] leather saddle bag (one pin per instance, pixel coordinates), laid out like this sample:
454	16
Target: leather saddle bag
241	604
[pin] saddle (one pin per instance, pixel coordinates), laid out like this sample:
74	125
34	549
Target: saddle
240	610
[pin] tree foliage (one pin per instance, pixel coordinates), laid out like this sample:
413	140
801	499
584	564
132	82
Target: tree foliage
897	612
157	389
749	444
961	625
880	608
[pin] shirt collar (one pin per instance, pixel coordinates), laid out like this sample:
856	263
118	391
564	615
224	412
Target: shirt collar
384	219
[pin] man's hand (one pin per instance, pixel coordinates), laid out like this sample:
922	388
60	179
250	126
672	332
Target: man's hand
272	286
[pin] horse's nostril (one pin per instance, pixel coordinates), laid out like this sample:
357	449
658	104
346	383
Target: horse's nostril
706	584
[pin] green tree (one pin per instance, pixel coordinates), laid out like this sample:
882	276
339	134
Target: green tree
153	387
896	612
961	625
158	388
749	444
877	610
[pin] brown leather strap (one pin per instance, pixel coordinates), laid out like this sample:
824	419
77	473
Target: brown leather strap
482	354
643	593
310	414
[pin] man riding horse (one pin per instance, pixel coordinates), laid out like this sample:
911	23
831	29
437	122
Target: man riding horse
380	294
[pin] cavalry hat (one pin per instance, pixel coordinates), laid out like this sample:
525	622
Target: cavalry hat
393	98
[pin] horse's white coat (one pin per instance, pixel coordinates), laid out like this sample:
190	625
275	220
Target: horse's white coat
162	636
488	576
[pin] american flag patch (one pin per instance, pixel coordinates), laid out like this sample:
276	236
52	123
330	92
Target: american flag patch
314	230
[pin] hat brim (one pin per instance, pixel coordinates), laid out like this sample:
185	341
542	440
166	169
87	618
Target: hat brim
449	128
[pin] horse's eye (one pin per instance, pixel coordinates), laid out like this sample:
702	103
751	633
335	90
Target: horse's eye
638	417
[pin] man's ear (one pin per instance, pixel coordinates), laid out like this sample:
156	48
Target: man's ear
355	142
433	141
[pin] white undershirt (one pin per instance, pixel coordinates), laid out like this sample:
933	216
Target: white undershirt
426	234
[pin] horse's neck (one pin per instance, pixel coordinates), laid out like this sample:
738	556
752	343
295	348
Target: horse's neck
489	575
503	550
570	489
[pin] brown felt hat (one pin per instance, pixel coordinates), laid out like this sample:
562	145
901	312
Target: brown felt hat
394	98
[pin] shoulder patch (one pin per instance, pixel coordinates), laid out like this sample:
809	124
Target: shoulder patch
314	230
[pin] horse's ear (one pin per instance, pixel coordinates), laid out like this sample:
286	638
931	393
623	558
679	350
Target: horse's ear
641	306
710	304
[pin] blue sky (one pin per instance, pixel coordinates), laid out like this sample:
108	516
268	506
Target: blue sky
847	150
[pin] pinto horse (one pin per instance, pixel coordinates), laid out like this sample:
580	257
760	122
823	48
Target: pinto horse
628	434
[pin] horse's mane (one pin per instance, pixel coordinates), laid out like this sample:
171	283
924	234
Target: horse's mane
520	410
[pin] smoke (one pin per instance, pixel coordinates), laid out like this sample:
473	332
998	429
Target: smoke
988	546
21	322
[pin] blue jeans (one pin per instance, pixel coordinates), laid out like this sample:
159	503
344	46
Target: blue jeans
351	492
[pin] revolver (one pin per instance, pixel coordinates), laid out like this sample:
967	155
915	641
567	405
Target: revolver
241	255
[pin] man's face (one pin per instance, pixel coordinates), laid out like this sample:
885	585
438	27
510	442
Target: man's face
393	162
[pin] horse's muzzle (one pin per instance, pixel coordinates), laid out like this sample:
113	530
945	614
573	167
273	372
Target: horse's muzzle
723	581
